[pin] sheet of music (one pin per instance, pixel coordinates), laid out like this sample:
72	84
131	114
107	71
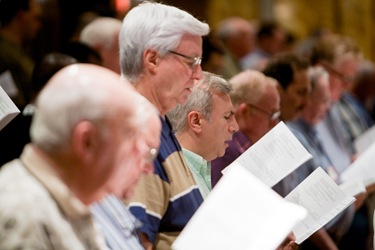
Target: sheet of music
364	141
274	156
362	168
241	212
8	110
322	198
353	188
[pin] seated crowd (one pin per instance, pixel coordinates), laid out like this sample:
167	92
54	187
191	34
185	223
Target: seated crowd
124	133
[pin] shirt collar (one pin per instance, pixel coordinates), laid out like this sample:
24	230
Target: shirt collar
198	162
42	170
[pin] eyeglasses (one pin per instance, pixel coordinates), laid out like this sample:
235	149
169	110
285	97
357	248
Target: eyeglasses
152	155
272	116
195	61
342	76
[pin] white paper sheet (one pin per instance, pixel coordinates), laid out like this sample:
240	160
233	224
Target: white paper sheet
353	188
364	141
8	110
240	213
322	198
274	156
362	168
7	83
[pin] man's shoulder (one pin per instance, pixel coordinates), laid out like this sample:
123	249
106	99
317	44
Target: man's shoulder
31	214
21	192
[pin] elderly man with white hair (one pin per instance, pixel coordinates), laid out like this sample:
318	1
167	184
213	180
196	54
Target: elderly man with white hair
102	35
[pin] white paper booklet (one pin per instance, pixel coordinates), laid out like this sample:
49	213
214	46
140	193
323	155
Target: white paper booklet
353	188
274	156
364	141
241	212
322	198
8	110
362	168
8	84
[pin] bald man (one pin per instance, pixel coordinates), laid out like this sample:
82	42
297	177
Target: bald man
88	139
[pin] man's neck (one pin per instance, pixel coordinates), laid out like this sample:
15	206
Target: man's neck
149	93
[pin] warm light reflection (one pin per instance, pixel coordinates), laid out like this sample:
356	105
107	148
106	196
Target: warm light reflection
122	6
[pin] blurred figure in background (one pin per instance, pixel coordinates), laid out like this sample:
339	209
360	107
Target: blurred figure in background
20	21
15	135
290	71
304	130
213	56
271	39
363	87
238	37
82	53
102	35
257	109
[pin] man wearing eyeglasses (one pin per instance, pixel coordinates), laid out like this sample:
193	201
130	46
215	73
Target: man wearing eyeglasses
304	130
257	104
160	54
340	56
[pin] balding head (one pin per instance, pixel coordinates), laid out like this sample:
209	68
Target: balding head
88	122
250	86
257	103
238	35
77	92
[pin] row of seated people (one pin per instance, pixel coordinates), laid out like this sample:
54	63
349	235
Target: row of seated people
310	98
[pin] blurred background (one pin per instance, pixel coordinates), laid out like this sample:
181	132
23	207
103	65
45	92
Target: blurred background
63	19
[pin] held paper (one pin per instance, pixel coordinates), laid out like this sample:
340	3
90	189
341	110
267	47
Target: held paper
353	188
362	168
7	83
8	110
241	212
364	141
322	198
274	156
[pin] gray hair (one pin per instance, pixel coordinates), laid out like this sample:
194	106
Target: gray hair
66	101
102	30
199	100
232	26
315	73
249	86
153	26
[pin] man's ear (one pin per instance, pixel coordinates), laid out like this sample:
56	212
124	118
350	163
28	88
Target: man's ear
85	141
194	121
242	109
151	59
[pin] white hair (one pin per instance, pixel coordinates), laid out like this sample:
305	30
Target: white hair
102	30
153	26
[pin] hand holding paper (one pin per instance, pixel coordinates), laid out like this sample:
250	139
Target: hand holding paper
323	199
